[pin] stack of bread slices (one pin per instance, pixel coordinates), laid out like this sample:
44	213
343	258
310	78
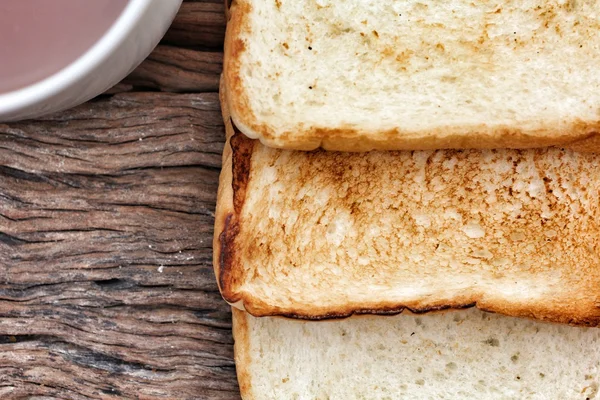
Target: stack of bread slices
409	205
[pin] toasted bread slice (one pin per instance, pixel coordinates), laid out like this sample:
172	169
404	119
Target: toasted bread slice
410	75
325	234
460	355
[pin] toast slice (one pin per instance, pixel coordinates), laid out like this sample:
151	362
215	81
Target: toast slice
324	234
460	355
360	75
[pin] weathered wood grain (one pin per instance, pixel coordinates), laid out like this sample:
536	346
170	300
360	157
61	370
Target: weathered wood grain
106	284
199	24
190	56
173	69
106	215
139	130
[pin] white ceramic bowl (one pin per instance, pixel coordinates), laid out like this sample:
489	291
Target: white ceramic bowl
122	48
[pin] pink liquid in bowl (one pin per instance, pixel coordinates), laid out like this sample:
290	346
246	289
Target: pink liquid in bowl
40	37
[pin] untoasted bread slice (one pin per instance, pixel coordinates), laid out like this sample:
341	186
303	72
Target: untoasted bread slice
325	234
411	75
460	355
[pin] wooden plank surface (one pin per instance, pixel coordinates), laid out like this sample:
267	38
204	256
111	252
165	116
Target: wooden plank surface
106	219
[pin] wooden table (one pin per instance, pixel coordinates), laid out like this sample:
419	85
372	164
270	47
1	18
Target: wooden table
106	219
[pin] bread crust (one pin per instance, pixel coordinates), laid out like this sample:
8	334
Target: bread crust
242	353
230	197
576	315
228	275
576	134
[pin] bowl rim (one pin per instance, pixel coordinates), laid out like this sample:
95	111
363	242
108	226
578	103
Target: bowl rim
50	86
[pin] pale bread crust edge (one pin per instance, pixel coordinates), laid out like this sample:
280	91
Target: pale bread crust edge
581	136
241	352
